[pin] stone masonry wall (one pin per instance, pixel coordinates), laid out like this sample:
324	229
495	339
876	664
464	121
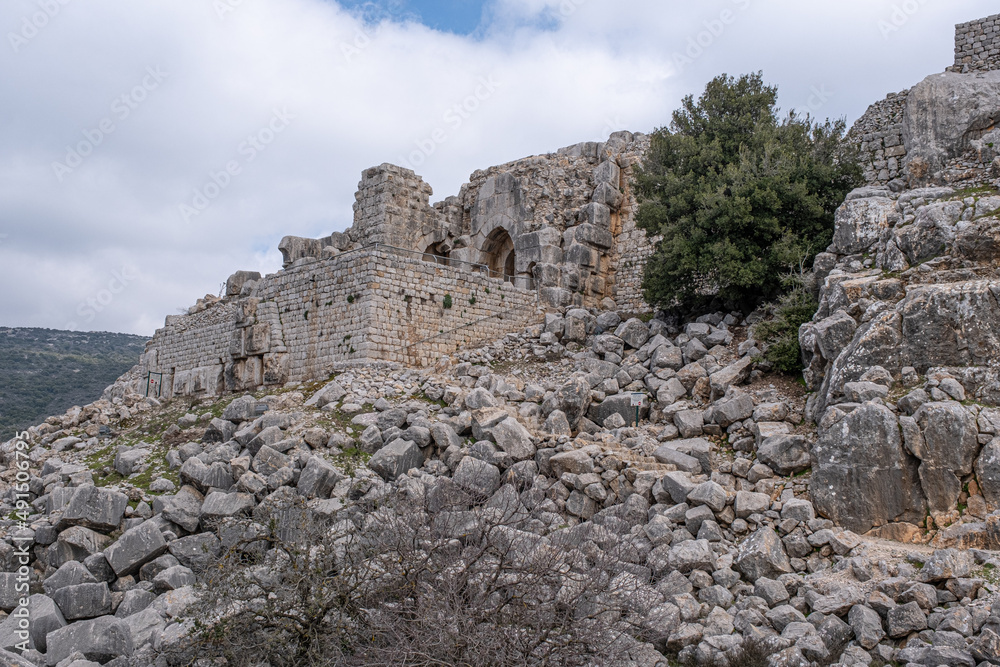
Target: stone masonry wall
977	45
410	323
366	305
878	134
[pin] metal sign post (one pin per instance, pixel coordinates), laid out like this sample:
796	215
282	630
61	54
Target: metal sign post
154	383
637	399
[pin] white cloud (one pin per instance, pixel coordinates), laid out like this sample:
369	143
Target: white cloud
361	94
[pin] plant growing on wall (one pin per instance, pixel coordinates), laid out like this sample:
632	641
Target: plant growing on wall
350	298
472	301
447	303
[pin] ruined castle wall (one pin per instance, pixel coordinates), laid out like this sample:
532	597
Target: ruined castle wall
410	323
371	304
191	350
878	134
977	45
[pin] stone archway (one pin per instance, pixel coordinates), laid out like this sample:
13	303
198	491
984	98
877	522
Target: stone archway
436	254
499	256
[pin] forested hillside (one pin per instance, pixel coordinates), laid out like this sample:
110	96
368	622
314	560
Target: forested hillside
43	371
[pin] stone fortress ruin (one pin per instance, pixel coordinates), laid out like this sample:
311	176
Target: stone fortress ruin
410	281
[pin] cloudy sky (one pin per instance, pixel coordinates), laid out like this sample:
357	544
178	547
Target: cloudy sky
150	148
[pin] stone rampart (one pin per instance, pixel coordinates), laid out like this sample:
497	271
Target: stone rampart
371	304
977	45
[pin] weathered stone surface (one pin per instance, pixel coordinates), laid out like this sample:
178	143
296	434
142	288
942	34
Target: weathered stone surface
83	600
620	404
731	375
573	399
514	439
691	555
867	626
75	543
194	471
862	477
184	508
196	551
331	393
762	555
860	222
136	547
93	507
785	454
318	478
947	564
941	112
748	503
240	409
947	449
101	640
634	332
478	477
576	461
396	458
987	468
219	506
904	619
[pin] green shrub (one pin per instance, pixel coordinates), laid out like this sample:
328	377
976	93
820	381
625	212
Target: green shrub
447	303
738	195
780	332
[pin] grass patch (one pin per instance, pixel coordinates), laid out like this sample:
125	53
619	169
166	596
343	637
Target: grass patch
350	460
781	331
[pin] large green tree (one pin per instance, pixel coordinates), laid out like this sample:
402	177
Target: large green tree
739	195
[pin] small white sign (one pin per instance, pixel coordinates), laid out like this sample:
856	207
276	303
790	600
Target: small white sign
637	399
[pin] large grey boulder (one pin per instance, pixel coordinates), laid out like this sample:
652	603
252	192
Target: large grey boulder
83	601
184	508
220	506
732	375
867	626
514	439
95	508
574	461
620	404
136	547
573	399
145	626
785	454
943	112
330	393
318	478
194	471
477	477
860	222
862	477
68	574
762	555
947	445
240	410
196	551
396	459
101	640
988	473
634	332
41	617
76	543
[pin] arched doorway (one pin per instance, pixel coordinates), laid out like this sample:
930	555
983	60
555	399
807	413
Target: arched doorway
499	256
434	253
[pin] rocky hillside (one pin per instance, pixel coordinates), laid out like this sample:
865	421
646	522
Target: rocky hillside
44	371
689	536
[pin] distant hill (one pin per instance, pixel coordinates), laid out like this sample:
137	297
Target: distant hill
44	372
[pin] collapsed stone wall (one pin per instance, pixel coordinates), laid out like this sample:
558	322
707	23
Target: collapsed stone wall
561	223
878	134
368	305
977	45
